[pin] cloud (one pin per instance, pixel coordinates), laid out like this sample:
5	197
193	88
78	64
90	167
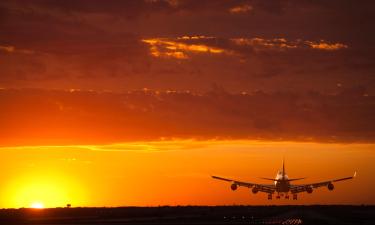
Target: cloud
277	46
189	62
326	46
127	9
181	47
140	146
63	117
284	44
12	49
241	9
160	47
7	49
134	9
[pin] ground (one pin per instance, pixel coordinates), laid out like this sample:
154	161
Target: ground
193	215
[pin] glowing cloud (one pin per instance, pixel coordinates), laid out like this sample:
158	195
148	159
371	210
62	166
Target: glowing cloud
164	47
7	49
12	49
183	47
284	44
322	45
241	9
264	44
61	117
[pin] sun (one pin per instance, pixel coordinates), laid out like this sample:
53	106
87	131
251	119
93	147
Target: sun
37	205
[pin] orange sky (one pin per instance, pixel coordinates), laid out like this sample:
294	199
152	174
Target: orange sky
108	103
178	173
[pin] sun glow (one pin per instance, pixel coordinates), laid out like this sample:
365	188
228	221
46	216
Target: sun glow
37	205
52	189
40	193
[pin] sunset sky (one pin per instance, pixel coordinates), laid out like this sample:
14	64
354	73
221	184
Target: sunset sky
114	103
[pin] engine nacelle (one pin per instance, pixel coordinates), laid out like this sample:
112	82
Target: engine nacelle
255	190
233	187
330	186
309	190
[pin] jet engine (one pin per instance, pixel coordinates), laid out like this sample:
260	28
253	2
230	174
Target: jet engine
309	190
255	190
233	187
330	186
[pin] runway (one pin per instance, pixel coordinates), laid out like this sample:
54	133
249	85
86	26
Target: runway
192	215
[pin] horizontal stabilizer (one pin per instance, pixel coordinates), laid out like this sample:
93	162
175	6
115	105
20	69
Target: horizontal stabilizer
293	179
265	178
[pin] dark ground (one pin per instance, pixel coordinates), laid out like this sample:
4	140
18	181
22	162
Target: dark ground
193	215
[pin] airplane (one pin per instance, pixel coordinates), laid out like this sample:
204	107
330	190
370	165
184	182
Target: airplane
282	185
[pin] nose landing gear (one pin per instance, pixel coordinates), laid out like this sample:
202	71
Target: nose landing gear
269	196
294	196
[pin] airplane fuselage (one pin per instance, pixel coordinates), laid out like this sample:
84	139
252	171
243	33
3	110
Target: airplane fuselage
282	183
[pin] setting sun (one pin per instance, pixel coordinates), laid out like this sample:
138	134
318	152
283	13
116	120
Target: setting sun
37	205
38	188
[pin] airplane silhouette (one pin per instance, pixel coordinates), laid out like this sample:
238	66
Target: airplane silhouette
282	185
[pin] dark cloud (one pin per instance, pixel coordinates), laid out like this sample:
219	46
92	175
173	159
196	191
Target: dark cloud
126	61
266	46
61	117
126	9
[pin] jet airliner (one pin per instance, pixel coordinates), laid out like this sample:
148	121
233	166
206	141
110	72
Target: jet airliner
282	185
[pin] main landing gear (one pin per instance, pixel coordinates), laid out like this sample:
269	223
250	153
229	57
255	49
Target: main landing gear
279	195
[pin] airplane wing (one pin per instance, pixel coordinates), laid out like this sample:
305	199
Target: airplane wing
259	187
308	187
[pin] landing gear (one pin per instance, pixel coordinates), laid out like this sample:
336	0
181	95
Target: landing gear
269	196
286	196
294	196
278	197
